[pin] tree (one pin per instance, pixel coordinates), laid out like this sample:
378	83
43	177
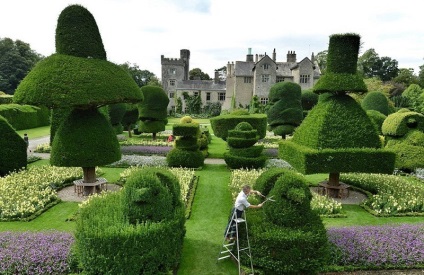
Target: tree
376	101
321	58
13	149
130	117
371	65
152	111
193	102
16	60
222	73
413	94
285	108
406	77
79	77
141	77
421	76
198	73
337	135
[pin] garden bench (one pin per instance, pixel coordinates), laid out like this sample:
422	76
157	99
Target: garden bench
80	184
326	189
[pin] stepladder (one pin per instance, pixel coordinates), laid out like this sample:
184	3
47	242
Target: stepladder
236	241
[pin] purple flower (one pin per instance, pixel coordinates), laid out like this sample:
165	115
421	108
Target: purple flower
35	252
371	246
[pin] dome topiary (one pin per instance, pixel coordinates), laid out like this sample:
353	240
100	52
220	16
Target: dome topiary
186	119
376	101
243	126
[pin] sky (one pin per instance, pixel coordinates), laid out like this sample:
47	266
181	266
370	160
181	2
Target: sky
220	31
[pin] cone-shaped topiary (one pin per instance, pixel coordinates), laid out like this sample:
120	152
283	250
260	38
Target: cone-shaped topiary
337	135
152	111
284	110
404	135
13	149
341	75
242	152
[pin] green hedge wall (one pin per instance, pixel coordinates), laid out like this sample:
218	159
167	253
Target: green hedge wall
239	162
221	124
311	161
13	149
25	116
184	158
250	152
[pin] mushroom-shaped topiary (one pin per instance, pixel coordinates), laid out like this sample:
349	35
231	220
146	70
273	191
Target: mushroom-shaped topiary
404	135
285	108
78	77
337	135
152	111
13	154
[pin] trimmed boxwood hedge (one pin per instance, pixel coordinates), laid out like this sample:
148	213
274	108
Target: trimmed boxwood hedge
399	123
249	152
184	158
311	161
376	101
221	124
377	119
185	129
25	116
238	162
13	149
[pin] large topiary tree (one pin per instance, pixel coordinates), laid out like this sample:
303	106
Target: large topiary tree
152	111
13	149
285	108
337	135
79	77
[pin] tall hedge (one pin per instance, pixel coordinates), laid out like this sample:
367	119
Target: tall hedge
25	116
13	149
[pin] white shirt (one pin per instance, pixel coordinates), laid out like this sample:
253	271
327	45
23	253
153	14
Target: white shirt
241	201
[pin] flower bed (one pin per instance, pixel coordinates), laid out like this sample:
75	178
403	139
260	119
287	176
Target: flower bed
136	160
392	195
382	247
25	194
145	150
35	253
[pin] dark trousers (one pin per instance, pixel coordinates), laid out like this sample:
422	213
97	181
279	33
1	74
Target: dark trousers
231	232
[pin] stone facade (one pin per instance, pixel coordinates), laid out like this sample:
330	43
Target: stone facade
255	77
244	78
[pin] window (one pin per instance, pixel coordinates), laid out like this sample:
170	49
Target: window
266	66
208	96
280	79
247	79
264	100
265	77
221	96
172	82
171	95
172	71
304	78
196	93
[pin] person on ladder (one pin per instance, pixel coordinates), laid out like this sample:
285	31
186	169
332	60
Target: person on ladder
240	205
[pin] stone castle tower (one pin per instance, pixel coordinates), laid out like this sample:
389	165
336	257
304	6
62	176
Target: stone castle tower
175	69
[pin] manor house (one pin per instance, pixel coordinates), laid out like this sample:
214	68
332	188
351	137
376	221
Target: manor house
244	79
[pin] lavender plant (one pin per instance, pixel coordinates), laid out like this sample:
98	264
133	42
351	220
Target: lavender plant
35	253
378	246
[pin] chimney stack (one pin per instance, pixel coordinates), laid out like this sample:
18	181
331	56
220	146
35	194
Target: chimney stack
249	56
291	56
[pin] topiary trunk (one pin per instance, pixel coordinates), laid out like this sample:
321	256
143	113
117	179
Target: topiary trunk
334	180
89	176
